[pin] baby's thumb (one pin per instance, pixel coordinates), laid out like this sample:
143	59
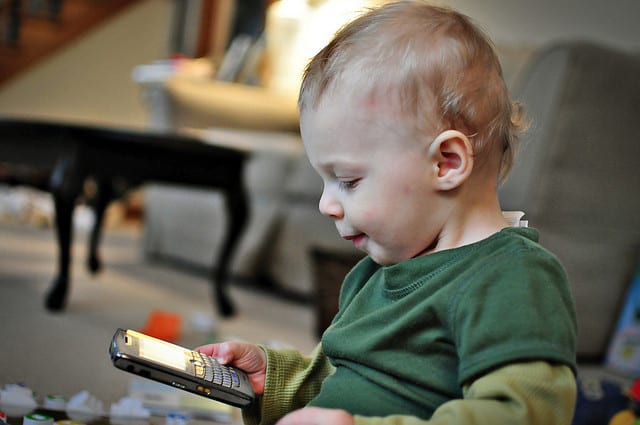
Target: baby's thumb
224	353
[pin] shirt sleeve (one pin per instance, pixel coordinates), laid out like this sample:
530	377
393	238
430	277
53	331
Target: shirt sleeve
534	393
292	381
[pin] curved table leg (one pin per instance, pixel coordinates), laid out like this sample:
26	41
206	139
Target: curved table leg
66	183
103	196
237	212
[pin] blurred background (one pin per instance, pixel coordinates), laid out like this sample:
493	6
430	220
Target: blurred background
90	77
231	69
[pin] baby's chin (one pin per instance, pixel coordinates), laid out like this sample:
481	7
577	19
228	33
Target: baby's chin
384	259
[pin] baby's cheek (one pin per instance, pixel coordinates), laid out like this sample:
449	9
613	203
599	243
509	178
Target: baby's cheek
371	219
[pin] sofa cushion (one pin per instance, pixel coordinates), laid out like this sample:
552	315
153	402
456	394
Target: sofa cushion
577	174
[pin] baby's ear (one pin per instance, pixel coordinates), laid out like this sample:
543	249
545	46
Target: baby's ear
451	155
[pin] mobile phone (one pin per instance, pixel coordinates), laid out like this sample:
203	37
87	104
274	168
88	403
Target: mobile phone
180	367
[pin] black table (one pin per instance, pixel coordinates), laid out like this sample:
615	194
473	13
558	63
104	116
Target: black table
60	157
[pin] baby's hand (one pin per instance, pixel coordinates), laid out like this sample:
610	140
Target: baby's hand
317	416
242	355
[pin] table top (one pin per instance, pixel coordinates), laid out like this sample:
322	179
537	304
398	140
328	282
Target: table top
130	154
13	129
233	139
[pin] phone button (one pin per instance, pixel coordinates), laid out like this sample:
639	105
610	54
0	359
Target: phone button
200	372
235	379
208	374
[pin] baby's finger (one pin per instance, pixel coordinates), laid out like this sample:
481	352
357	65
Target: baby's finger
225	353
209	349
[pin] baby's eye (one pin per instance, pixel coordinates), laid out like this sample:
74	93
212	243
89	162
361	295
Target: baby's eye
349	184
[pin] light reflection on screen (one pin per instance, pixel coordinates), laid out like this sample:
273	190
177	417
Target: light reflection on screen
164	353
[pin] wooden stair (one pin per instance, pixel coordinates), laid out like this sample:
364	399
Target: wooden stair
41	34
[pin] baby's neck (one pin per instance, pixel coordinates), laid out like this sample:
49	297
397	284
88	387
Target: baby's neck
475	215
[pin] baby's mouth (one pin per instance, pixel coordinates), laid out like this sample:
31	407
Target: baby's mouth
357	240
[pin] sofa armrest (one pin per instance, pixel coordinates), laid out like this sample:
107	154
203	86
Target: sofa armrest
210	103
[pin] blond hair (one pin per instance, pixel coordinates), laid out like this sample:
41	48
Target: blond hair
435	63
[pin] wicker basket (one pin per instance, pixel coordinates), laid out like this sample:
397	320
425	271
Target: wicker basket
329	268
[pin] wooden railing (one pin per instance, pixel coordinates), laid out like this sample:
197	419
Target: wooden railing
31	30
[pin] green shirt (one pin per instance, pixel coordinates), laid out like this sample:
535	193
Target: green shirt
481	334
409	336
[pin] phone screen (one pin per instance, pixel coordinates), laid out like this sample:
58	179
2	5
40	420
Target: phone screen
164	353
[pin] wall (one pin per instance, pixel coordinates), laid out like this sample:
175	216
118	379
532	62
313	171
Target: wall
535	23
91	79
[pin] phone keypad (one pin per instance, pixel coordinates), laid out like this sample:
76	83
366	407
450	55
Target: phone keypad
219	374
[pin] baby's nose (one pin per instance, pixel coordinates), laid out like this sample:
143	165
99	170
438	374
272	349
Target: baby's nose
329	206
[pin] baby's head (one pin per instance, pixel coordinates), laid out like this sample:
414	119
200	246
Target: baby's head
428	68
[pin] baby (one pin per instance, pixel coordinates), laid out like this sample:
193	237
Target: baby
453	317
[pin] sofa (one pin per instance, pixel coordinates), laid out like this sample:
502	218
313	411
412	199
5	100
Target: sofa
577	175
576	178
